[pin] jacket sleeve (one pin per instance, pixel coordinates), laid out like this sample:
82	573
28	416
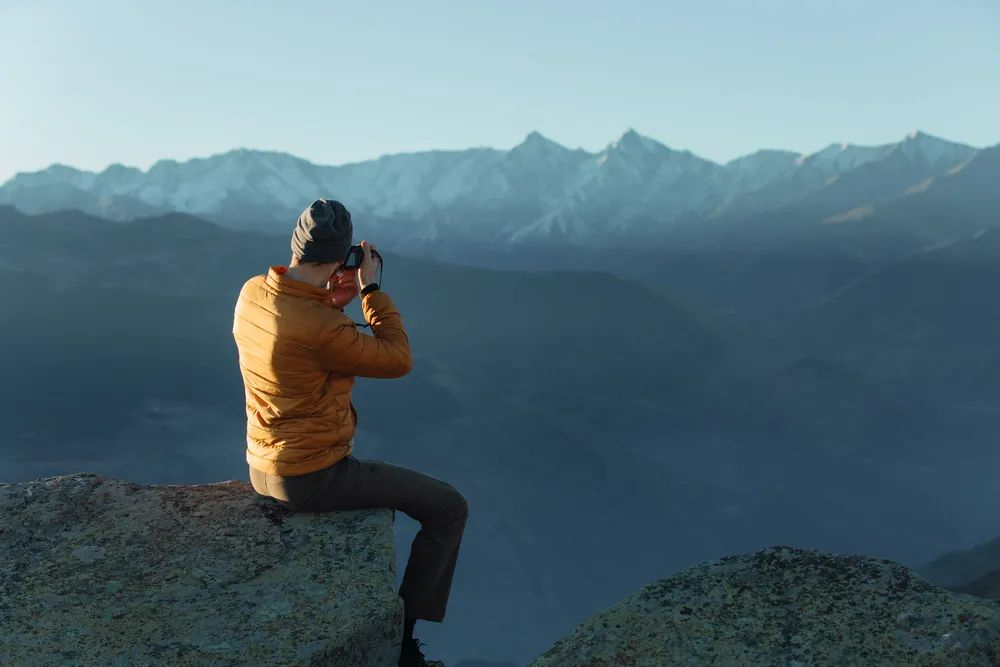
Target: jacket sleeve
386	354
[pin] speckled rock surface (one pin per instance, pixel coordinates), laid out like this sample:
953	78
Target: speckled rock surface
95	570
787	606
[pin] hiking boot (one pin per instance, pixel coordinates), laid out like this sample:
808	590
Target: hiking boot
410	655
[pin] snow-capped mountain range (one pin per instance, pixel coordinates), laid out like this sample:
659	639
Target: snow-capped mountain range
536	191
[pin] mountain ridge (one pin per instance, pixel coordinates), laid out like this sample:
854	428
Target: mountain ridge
538	190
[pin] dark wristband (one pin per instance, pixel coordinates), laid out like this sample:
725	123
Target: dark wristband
369	288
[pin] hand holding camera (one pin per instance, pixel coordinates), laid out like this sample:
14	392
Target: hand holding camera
366	261
358	270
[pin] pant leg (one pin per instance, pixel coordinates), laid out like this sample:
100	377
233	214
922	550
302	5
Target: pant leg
354	483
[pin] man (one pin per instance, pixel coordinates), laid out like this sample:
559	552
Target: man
299	354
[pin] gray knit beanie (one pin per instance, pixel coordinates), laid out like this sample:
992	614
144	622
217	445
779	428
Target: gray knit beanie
323	232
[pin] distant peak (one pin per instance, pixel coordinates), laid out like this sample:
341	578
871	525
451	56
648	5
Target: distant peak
836	147
60	168
631	140
244	153
933	148
630	136
119	168
920	137
536	142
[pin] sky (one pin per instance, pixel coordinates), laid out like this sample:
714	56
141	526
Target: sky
96	83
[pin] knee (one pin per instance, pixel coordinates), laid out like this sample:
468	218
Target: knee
457	506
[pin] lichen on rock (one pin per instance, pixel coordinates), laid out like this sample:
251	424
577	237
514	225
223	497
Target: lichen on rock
788	606
98	570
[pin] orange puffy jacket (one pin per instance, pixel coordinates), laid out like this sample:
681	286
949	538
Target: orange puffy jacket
298	357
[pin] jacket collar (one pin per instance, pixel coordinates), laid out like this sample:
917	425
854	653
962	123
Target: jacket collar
280	282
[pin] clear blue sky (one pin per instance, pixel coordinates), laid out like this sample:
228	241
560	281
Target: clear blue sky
92	83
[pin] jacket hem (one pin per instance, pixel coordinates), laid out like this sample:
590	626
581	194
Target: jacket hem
286	469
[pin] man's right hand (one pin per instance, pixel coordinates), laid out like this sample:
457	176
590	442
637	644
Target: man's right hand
368	271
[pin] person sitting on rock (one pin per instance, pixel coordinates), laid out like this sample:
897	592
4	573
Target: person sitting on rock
299	354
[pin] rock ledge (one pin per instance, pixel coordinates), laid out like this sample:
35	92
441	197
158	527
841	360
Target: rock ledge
98	570
788	606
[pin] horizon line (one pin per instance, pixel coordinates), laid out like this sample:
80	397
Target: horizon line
800	154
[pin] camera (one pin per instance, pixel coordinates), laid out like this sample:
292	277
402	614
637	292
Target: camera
355	255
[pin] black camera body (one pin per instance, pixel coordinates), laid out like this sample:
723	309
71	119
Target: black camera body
356	255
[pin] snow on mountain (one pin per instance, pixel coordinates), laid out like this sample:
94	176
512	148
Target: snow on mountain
408	184
633	185
838	158
938	153
537	189
537	149
545	167
760	168
857	174
201	185
56	174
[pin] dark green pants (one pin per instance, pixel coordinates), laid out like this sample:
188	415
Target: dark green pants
354	483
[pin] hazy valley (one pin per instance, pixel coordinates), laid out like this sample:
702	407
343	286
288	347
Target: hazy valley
629	362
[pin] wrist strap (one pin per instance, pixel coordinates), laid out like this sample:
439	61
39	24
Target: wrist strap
369	288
